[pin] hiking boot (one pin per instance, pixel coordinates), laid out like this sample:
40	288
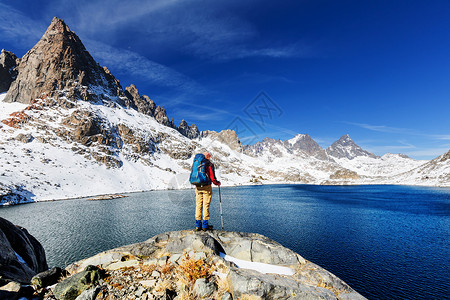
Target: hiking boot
206	226
198	225
210	227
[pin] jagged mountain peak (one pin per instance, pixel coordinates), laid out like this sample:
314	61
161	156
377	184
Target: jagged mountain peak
60	71
59	66
301	145
227	137
57	26
345	147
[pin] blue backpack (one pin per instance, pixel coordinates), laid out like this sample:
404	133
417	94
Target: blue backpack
198	173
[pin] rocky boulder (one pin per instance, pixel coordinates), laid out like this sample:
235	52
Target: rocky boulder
21	255
215	264
72	287
8	69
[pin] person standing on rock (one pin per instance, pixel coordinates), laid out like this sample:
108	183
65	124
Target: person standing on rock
202	176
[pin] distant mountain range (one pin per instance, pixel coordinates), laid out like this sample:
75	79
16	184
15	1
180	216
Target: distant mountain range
69	129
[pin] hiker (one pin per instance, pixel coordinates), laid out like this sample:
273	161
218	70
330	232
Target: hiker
202	176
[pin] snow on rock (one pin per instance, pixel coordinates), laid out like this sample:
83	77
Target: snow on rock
257	266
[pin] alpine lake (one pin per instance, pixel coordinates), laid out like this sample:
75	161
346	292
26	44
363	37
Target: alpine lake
387	242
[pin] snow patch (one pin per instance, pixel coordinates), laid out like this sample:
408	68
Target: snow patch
257	266
7	108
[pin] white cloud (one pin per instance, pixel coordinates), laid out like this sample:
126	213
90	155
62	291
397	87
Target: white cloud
427	153
384	128
442	137
17	28
135	65
404	131
207	29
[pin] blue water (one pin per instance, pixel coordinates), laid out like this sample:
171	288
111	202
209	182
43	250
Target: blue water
387	242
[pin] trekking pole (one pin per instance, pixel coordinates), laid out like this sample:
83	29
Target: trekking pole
221	214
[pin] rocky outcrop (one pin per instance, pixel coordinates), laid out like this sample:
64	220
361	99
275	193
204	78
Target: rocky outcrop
215	264
21	255
190	132
345	147
60	66
14	194
161	117
72	287
227	137
266	145
344	174
142	104
145	105
8	69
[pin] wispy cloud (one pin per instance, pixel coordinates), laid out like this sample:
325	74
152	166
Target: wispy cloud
398	130
427	153
135	65
384	128
17	28
206	29
442	137
92	16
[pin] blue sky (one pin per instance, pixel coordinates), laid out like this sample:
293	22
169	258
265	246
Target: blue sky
376	70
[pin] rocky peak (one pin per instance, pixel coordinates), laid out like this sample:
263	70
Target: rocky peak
161	116
142	104
59	65
345	147
190	132
8	69
305	143
227	137
301	145
443	158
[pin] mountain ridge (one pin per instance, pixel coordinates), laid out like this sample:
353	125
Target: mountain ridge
74	131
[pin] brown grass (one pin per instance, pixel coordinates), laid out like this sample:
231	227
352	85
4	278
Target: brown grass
193	269
249	297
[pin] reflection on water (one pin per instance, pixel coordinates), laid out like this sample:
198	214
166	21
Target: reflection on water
385	241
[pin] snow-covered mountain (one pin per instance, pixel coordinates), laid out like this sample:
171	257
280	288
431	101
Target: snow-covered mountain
69	129
433	173
301	145
345	147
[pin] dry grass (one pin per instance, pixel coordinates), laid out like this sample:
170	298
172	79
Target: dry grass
324	285
192	269
185	295
164	285
188	271
166	269
249	297
223	286
147	268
